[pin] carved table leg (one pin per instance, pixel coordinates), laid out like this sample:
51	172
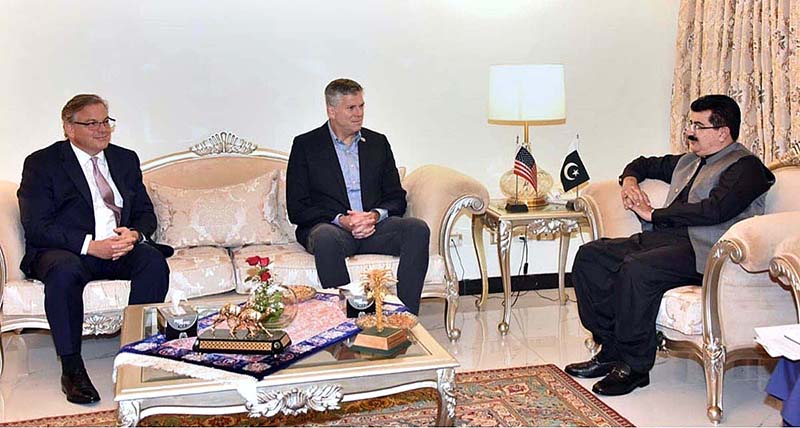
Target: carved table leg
563	250
128	413
480	253
446	385
504	255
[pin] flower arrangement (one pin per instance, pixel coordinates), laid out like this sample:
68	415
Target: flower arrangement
266	296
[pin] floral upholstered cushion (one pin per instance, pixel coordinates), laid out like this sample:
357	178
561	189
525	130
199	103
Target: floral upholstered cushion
200	271
681	310
197	272
293	265
235	215
26	297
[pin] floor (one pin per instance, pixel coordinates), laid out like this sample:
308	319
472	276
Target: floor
541	332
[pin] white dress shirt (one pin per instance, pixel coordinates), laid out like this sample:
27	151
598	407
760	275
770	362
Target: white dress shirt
104	220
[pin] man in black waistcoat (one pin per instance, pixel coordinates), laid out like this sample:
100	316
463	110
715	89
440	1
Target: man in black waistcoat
619	282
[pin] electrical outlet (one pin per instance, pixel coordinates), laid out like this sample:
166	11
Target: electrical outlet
456	239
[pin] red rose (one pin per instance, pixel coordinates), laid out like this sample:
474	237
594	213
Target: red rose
263	261
265	276
252	261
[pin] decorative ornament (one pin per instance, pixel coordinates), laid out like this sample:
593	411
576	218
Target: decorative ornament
375	283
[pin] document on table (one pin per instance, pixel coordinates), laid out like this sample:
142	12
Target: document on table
780	340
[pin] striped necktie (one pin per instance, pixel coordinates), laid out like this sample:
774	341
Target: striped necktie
105	191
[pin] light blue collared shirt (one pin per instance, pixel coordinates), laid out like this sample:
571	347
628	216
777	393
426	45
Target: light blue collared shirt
348	162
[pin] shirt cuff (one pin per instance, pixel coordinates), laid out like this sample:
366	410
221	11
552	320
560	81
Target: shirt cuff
336	220
382	214
85	247
654	215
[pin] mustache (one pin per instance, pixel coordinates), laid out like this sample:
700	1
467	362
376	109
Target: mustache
691	138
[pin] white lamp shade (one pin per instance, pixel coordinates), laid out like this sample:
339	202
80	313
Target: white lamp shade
527	93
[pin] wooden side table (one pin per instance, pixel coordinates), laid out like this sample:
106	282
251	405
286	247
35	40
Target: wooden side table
549	219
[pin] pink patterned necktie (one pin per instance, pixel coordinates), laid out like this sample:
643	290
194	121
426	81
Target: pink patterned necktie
105	191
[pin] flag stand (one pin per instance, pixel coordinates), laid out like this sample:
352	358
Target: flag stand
573	171
515	206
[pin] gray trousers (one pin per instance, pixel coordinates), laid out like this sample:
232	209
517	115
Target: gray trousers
407	238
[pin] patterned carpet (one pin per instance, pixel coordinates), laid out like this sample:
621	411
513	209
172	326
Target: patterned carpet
525	396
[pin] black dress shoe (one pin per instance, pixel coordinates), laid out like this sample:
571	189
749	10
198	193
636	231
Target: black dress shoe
622	380
590	369
78	387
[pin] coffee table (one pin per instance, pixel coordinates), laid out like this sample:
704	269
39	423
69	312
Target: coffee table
319	382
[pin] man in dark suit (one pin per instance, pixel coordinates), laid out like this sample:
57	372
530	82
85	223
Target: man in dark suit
87	216
343	192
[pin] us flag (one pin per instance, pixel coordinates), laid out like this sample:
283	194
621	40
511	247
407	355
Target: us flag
525	166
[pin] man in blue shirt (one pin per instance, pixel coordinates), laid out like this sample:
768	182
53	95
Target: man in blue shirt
343	192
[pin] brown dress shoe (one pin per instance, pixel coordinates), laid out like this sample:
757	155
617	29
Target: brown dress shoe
622	380
78	387
590	369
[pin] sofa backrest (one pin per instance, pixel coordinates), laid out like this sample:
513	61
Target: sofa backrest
12	236
784	194
251	196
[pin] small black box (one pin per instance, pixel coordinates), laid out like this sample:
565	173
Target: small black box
177	324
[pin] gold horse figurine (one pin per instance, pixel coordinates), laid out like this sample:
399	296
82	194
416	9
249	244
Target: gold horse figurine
228	313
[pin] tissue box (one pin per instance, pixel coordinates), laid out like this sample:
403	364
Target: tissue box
177	324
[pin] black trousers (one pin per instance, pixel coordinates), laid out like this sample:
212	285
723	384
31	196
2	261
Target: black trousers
619	284
65	274
407	238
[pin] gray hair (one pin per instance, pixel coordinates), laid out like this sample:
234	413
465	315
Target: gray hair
77	103
339	87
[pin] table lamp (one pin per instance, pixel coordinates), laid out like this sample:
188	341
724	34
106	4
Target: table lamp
526	95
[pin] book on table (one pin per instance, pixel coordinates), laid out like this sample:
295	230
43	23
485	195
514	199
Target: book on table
387	339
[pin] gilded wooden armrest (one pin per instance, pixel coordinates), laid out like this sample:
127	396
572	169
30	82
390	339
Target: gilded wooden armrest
785	266
438	194
756	239
749	245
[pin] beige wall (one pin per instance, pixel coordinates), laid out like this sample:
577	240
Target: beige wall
178	71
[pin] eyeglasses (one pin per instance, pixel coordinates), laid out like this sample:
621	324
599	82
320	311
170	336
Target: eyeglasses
694	126
110	123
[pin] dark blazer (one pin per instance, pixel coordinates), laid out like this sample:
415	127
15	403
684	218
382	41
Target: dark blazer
55	202
315	189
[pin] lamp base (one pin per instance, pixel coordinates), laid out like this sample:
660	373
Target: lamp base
538	201
516	207
518	191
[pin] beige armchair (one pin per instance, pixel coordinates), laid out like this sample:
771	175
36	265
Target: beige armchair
714	322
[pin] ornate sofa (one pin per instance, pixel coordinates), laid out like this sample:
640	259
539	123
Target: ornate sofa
219	203
714	322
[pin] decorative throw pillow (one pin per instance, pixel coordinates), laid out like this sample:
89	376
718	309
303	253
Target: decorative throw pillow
230	216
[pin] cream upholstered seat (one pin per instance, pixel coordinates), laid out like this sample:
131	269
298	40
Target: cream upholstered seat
714	321
220	202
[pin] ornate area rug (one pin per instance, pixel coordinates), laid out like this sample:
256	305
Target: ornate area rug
525	396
